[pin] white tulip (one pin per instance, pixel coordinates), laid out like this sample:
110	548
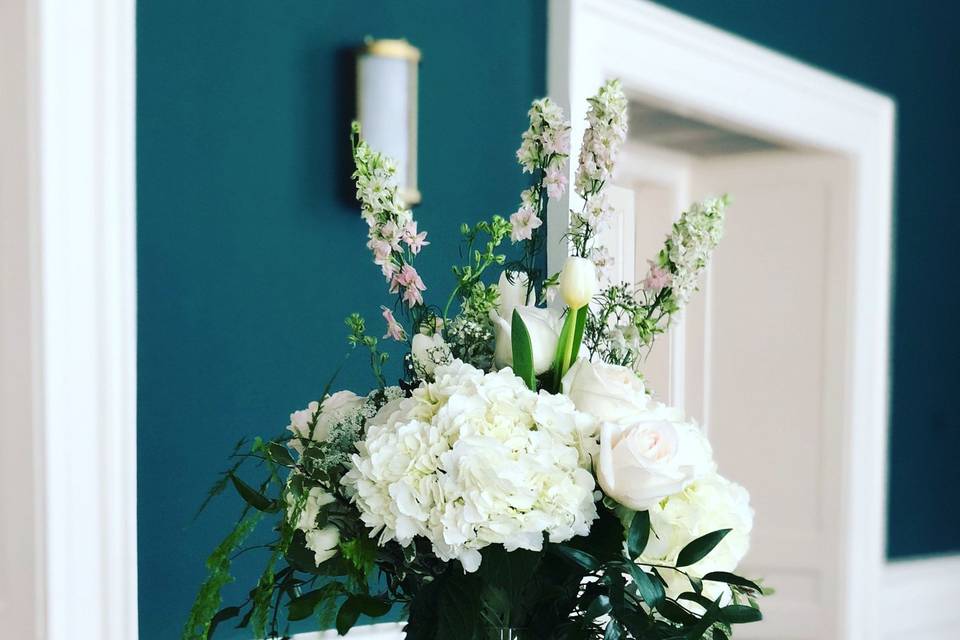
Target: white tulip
578	282
543	325
323	543
608	392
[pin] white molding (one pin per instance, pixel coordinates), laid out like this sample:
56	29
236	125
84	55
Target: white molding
670	59
86	128
383	631
926	593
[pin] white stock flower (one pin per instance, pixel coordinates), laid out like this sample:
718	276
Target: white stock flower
708	504
694	237
475	459
608	392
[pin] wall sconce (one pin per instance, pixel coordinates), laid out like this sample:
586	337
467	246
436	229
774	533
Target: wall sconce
387	106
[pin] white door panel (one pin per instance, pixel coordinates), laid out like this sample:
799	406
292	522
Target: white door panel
757	357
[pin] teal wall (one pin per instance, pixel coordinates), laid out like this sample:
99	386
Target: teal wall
910	51
249	254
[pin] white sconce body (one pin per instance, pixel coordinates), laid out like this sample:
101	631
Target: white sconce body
387	81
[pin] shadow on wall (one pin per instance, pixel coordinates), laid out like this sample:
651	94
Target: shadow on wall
343	93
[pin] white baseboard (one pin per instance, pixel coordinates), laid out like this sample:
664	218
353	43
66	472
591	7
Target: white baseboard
385	631
919	599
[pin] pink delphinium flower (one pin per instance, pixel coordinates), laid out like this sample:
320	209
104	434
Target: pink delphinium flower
394	330
392	234
414	240
523	223
412	285
657	278
555	181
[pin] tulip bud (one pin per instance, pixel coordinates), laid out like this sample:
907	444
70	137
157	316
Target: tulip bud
578	282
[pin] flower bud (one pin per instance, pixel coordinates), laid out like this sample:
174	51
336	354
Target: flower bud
578	282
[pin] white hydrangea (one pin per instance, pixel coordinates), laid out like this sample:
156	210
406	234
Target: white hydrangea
708	504
475	459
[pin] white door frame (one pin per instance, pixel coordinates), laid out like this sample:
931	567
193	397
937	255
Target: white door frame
666	58
74	97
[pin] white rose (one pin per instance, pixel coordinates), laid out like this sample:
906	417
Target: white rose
323	543
609	392
707	505
428	352
334	409
638	464
543	325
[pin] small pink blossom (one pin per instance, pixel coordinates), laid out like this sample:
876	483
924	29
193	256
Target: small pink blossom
414	240
412	296
657	278
557	141
556	181
391	234
381	250
412	285
394	330
523	224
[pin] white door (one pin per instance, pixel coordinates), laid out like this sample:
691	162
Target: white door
758	359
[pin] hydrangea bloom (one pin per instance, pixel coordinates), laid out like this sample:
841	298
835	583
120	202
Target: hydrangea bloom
475	459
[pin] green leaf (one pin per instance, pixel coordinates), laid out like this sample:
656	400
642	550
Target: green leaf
280	454
698	549
581	322
360	552
459	604
303	606
650	588
639	534
739	614
522	351
675	613
348	615
576	556
733	579
599	607
224	614
691	596
568	328
253	497
613	632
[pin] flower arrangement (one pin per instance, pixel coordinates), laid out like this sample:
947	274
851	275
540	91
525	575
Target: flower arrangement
520	475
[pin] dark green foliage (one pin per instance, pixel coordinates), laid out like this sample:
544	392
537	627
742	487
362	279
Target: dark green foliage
698	549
